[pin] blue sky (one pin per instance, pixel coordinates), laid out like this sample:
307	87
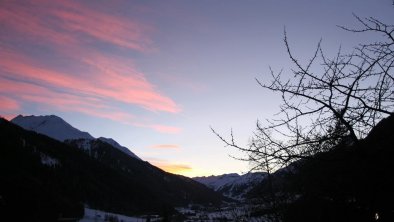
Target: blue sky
155	75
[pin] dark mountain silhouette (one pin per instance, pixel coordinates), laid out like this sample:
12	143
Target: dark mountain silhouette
44	179
348	183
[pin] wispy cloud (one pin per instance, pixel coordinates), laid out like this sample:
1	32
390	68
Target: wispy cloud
71	31
159	128
121	81
166	146
8	105
112	29
27	92
109	79
165	129
68	22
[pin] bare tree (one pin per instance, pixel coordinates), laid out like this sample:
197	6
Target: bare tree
327	101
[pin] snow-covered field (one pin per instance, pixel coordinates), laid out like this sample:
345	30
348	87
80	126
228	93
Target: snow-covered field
92	215
227	213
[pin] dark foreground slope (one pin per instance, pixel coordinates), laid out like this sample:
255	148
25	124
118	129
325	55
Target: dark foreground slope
349	183
45	179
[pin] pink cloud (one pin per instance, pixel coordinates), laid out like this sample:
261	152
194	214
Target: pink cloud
160	128
21	89
24	20
64	102
130	85
104	27
8	105
68	28
76	103
122	83
80	105
166	146
62	22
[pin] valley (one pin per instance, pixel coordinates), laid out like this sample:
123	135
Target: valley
81	173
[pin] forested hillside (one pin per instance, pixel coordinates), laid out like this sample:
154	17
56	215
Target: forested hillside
45	179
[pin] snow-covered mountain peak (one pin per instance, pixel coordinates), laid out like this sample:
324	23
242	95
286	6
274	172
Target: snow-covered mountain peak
232	185
217	182
52	126
56	128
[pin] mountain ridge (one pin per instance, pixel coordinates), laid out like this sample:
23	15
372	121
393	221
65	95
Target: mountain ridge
232	185
50	125
57	128
44	177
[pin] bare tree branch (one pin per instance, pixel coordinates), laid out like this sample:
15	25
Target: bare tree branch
327	101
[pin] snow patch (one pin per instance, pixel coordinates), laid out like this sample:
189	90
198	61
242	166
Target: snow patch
58	129
229	212
92	215
52	126
49	161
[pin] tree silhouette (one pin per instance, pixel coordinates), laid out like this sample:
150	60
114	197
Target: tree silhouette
327	101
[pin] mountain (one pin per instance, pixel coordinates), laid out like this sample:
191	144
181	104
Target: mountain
232	185
52	126
56	128
46	179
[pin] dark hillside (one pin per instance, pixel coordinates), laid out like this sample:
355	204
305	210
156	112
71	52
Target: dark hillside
349	183
44	179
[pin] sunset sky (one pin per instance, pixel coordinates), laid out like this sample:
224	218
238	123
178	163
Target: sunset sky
155	75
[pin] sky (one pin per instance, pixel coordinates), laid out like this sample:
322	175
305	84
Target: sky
156	75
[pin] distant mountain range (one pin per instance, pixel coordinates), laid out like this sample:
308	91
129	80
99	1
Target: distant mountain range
50	169
232	185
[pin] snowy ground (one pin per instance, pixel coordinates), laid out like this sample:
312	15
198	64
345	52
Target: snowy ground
227	213
92	215
191	213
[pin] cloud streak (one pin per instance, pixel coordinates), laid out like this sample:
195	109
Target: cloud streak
30	93
67	22
114	30
8	105
76	35
166	146
108	79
